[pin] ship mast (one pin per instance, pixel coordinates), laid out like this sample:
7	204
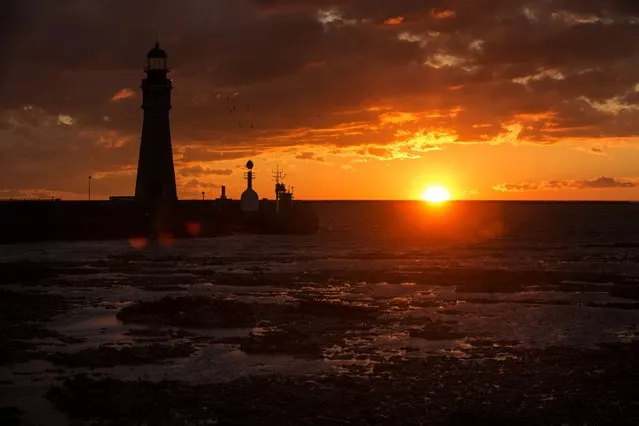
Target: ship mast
278	176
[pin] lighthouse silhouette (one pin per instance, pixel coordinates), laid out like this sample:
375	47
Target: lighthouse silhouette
155	181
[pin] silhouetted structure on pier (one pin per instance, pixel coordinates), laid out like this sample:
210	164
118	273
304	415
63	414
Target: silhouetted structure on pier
155	211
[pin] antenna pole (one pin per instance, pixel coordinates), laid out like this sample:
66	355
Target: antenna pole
278	174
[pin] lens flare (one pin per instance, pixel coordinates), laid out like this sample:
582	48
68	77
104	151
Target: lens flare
138	242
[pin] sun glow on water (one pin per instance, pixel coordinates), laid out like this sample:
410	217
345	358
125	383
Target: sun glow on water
436	194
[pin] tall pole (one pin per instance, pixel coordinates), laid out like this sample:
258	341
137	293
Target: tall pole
89	188
203	195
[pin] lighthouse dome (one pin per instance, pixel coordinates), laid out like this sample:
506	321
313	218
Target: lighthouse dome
156	52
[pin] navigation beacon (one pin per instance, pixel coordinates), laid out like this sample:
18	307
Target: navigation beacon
250	200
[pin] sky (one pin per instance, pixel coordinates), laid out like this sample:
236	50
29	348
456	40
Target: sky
354	99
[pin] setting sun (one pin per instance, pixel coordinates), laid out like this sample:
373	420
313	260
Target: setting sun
436	194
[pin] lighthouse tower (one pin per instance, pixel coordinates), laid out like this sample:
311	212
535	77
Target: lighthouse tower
155	181
250	200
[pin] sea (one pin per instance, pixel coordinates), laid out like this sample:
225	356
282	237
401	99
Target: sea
528	274
403	235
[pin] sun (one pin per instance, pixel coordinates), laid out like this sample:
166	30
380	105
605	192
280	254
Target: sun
436	194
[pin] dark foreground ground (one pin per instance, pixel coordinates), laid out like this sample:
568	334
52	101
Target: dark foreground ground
161	339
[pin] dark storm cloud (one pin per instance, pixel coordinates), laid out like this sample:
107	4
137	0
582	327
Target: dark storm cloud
251	75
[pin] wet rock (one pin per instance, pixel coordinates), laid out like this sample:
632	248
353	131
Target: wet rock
456	312
246	280
436	331
30	306
412	320
488	285
13	352
615	305
105	356
493	343
554	387
190	311
21	321
336	310
16	345
68	340
317	324
282	342
463	419
431	303
232	340
147	332
10	416
626	292
25	272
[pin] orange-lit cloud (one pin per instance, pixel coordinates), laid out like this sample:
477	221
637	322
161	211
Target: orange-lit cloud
562	185
398	117
407	146
442	14
65	119
309	156
394	21
123	94
198	170
535	117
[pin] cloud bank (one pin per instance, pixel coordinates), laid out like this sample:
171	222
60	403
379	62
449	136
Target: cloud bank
562	185
381	79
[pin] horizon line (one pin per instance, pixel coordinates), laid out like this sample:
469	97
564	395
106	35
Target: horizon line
356	200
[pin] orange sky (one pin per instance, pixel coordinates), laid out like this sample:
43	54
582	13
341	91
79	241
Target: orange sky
469	171
355	100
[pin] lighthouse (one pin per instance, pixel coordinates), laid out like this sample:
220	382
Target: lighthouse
155	181
250	200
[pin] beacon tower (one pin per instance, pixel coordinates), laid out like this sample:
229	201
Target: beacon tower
155	181
250	200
